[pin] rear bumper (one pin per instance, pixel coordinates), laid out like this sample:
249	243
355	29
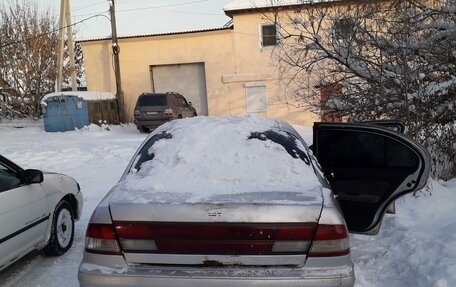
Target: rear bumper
150	124
100	276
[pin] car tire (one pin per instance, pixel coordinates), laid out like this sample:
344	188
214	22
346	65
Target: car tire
144	130
62	230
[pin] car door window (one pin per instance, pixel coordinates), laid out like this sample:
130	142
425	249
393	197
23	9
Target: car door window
367	168
364	150
184	102
8	179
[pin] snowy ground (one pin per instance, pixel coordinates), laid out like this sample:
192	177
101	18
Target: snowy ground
415	247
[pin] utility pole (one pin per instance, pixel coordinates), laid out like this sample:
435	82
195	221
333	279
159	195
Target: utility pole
70	45
116	52
58	80
65	24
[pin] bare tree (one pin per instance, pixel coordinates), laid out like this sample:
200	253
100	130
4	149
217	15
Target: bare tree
388	60
28	41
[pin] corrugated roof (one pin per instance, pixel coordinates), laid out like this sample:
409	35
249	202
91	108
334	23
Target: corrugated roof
226	27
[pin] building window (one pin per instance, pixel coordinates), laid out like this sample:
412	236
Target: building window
255	97
344	28
269	35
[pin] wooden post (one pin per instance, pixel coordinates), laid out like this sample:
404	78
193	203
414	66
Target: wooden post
116	52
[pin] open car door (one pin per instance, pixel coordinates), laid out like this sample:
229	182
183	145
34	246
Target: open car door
394	125
368	167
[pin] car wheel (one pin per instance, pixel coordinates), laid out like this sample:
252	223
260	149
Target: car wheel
62	230
144	130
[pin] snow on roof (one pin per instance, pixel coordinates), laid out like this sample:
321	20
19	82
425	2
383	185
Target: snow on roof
213	159
88	96
256	4
227	26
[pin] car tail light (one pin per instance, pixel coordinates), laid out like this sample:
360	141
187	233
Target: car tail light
101	238
168	113
137	114
330	240
215	238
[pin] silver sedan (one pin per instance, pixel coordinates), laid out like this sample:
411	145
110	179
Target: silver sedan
243	201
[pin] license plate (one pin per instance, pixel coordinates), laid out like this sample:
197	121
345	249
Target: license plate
152	113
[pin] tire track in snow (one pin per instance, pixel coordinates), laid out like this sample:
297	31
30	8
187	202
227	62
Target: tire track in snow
22	272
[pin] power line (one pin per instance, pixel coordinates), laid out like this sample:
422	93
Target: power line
94	16
50	32
87	6
161	6
192	13
81	15
139	8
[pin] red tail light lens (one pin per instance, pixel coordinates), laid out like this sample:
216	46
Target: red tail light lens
330	240
215	238
101	238
168	113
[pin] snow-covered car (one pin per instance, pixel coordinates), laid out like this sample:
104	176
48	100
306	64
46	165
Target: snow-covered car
37	211
243	201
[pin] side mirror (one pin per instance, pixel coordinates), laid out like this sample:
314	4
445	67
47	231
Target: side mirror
189	103
33	176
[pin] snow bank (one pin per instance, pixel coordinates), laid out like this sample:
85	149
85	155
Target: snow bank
415	247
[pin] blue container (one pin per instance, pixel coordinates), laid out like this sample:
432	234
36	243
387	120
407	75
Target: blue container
65	113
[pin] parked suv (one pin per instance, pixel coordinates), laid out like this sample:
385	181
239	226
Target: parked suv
155	109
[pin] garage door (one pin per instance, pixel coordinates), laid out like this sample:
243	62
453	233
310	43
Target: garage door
186	79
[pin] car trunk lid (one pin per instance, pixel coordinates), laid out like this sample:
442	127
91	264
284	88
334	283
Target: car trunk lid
213	234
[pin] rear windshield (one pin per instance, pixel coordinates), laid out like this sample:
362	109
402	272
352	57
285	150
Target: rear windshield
286	140
152	100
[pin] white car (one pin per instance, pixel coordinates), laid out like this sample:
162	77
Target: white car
37	210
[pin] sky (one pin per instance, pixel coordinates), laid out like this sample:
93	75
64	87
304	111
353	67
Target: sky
415	247
138	17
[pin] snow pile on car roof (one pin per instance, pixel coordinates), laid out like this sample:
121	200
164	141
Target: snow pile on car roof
213	159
